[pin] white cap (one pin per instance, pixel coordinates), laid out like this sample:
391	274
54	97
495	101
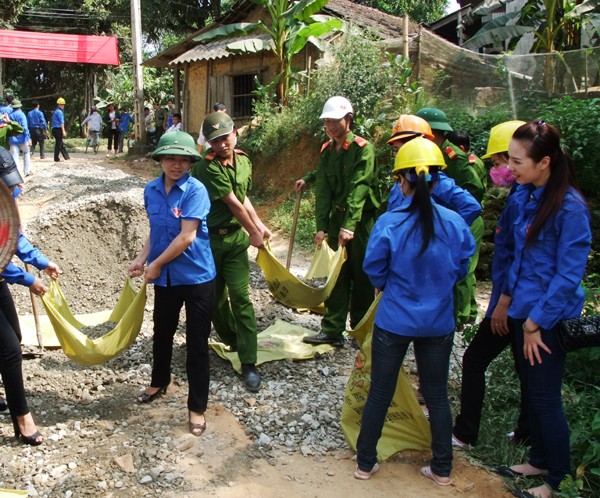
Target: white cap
336	108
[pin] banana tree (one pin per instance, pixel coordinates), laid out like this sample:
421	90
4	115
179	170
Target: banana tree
292	25
556	24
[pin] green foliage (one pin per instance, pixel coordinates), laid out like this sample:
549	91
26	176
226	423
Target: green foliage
379	85
579	123
556	24
421	11
292	25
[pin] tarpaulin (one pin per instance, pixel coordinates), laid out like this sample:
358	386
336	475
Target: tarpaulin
128	315
58	47
289	290
280	341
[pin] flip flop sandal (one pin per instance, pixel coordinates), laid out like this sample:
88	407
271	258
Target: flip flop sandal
426	471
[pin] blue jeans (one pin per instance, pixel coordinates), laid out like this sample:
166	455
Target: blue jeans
550	444
433	360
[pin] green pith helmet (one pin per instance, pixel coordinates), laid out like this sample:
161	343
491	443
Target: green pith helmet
176	143
217	124
437	119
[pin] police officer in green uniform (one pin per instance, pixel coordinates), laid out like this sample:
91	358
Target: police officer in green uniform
464	174
345	207
461	139
226	172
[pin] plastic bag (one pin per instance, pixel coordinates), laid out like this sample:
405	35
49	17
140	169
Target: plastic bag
405	424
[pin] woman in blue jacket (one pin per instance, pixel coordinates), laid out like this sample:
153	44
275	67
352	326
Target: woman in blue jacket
181	267
415	255
552	243
10	331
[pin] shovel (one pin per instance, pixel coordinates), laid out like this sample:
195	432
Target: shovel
36	319
293	230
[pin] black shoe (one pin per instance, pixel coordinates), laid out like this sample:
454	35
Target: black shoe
251	377
144	397
323	338
3	405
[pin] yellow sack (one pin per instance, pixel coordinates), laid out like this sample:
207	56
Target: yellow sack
290	291
322	262
11	493
277	342
128	313
405	424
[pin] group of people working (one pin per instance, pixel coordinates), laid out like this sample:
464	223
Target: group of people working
418	254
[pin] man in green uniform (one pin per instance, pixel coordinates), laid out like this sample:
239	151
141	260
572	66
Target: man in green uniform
160	120
226	172
464	174
346	202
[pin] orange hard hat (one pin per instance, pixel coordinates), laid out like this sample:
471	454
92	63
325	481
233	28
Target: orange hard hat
409	126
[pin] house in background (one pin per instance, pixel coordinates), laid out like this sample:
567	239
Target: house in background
209	73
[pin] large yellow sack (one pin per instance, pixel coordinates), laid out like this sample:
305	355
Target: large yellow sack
277	342
128	314
11	493
405	425
289	290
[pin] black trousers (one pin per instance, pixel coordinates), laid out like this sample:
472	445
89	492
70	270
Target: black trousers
113	139
38	137
484	348
199	303
11	358
59	146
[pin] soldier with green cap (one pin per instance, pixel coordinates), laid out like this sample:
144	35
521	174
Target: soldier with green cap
181	267
227	174
465	175
346	202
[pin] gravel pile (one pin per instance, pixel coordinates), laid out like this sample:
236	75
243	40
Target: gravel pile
100	442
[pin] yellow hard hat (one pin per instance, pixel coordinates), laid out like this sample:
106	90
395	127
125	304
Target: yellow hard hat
420	153
500	136
61	101
409	125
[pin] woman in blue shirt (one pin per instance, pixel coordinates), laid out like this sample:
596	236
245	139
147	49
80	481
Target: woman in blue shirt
552	243
10	332
415	255
181	267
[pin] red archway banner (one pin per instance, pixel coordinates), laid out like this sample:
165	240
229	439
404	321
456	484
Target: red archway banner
59	47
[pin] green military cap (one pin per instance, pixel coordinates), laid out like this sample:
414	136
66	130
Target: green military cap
435	117
176	143
217	124
16	103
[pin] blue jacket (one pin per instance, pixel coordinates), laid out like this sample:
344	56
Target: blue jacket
445	193
58	118
417	289
36	119
504	247
29	254
22	138
188	199
545	277
124	123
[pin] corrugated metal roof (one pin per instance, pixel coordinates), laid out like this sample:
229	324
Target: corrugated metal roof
214	50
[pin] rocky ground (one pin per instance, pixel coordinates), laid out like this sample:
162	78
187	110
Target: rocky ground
87	215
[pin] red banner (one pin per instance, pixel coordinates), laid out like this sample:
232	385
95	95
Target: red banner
59	47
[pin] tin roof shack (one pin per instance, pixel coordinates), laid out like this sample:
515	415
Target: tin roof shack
213	74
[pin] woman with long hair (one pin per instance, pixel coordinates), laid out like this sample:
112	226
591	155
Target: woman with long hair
415	255
552	243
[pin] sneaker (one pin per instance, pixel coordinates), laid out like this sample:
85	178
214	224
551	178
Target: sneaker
323	338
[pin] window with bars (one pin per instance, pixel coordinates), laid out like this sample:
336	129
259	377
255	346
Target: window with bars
243	86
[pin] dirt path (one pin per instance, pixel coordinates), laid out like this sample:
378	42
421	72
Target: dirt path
225	462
